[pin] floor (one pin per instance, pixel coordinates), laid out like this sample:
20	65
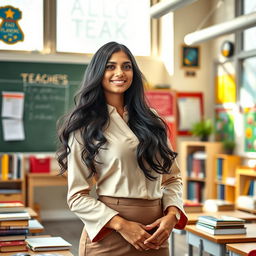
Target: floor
70	230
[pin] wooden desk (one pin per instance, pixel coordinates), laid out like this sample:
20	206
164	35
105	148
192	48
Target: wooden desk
216	244
193	217
62	253
42	180
241	249
248	217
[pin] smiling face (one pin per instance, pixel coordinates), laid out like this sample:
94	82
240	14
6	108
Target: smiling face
118	75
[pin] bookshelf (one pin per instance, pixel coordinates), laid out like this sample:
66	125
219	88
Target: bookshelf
198	172
225	180
12	179
245	189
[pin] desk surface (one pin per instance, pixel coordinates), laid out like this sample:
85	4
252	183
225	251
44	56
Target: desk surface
242	248
62	253
193	217
250	236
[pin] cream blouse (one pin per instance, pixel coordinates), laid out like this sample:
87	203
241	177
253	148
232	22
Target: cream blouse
119	175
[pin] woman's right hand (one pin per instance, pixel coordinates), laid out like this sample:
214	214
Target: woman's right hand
133	232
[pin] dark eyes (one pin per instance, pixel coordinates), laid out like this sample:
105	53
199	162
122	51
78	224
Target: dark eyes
125	67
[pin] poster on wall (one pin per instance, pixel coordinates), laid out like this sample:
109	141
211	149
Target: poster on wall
250	129
224	123
190	111
225	83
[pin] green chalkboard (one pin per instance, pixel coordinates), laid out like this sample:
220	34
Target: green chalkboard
49	90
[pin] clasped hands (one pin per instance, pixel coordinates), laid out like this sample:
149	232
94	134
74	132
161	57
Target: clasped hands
139	235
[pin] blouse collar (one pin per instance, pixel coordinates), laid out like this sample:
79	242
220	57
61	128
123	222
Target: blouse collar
112	109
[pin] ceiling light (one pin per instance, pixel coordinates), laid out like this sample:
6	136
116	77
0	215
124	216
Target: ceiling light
228	27
160	9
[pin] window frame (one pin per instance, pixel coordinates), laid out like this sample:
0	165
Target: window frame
49	36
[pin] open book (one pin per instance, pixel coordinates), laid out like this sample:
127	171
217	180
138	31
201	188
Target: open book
47	244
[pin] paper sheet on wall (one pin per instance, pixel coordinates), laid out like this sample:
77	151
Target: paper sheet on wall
13	129
12	104
190	112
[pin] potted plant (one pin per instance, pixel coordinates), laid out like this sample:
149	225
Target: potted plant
202	129
229	146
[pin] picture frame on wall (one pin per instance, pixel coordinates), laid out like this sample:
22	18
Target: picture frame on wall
189	102
190	56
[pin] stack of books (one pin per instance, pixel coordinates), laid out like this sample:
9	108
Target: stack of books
14	223
223	225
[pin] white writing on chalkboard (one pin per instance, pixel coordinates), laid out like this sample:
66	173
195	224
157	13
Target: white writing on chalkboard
58	79
45	102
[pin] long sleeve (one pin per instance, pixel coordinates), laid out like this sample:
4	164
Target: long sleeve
172	193
93	213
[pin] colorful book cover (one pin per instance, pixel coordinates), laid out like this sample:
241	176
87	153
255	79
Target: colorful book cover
5	166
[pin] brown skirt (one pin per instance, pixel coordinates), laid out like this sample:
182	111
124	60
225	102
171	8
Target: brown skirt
113	244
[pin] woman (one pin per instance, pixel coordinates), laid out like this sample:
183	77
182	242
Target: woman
112	138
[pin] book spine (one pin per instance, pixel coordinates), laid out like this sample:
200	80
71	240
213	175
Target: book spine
5	166
14	232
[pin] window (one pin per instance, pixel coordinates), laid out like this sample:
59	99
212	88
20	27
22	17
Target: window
30	23
249	6
84	25
248	86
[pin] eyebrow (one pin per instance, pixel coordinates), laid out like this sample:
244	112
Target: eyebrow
113	62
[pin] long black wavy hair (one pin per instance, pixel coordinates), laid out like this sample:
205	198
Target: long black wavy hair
90	116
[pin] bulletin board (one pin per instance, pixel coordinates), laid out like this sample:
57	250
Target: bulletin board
224	123
190	110
48	90
250	129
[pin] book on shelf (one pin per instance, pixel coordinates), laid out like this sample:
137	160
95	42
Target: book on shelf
13	246
47	244
4	167
223	230
219	168
13	238
221	220
11	166
11	206
192	206
216	205
196	164
249	188
195	191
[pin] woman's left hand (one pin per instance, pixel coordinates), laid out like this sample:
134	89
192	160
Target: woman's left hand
164	227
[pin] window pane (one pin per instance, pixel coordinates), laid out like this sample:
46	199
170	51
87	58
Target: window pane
248	88
249	35
31	24
85	25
